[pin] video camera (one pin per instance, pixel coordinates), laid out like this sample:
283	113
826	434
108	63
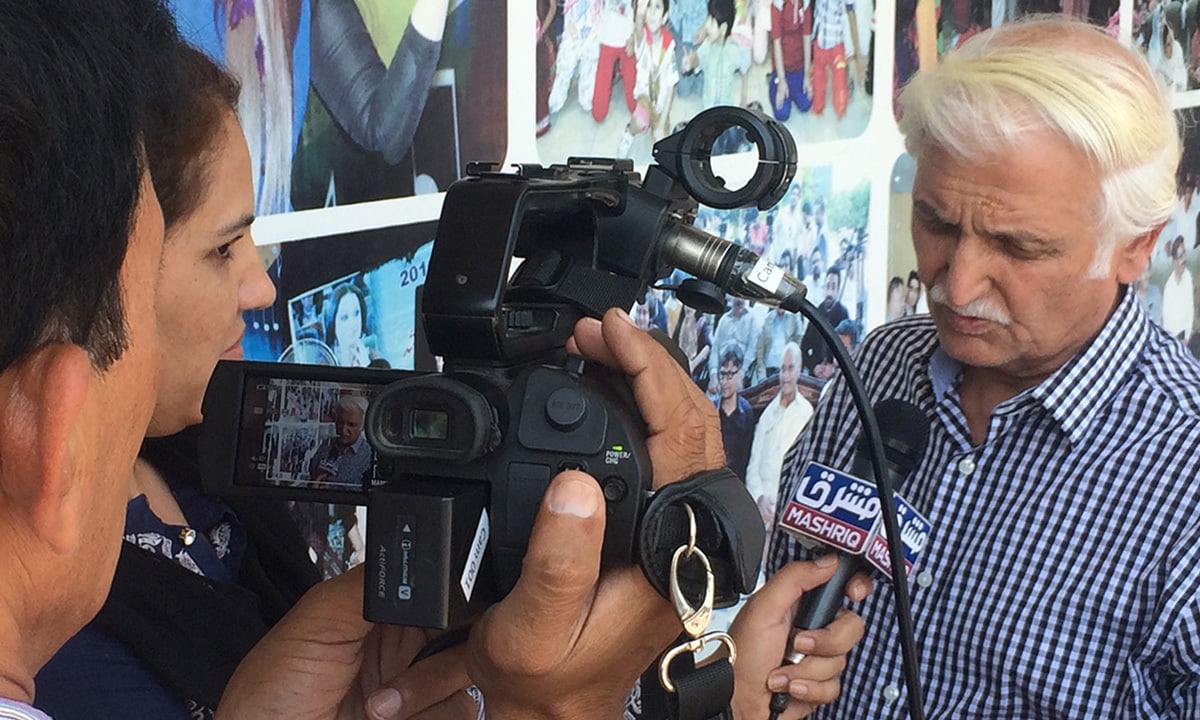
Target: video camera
464	457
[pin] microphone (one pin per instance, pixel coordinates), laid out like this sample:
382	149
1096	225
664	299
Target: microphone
731	267
842	511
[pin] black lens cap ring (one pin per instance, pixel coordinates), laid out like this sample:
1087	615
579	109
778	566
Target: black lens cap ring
687	156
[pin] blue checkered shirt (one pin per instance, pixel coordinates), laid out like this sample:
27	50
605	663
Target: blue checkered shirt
1062	576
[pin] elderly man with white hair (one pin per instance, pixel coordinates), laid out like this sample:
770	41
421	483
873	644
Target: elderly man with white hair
1062	574
343	459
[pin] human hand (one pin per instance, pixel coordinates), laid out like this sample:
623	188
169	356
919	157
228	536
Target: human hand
324	662
684	430
808	81
781	93
761	631
569	641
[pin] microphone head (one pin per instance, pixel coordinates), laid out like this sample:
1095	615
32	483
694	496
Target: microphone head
905	433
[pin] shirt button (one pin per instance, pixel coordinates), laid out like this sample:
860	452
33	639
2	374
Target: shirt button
924	578
966	466
891	693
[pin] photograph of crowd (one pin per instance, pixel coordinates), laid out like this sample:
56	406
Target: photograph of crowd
1167	286
763	367
616	76
347	101
1167	32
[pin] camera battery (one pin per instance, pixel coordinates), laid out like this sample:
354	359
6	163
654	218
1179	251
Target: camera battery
428	562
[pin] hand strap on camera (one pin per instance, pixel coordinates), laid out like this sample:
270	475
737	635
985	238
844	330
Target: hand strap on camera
701	538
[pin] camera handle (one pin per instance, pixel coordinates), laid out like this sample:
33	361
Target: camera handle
700	546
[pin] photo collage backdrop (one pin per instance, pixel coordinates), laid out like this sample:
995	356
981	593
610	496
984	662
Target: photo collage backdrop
350	175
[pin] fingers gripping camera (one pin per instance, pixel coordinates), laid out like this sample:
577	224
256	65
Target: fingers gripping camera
466	536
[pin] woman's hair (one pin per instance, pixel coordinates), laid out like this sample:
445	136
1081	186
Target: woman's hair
340	292
179	159
1055	74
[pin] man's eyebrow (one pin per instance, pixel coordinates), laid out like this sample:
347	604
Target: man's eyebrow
237	225
928	211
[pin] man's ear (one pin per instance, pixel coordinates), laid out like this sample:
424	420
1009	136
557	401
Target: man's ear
1133	255
40	412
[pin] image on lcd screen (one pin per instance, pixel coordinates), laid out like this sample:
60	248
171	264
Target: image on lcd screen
305	434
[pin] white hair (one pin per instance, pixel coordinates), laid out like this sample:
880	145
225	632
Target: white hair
1058	74
353	402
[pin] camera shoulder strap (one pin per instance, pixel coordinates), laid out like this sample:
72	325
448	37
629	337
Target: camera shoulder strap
700	546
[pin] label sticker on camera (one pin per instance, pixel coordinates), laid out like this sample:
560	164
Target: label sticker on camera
475	557
766	275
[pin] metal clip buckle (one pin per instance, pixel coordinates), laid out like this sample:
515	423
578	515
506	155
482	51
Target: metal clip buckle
695	619
692	646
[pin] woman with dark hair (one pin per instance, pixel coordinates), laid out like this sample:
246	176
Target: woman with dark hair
348	334
199	580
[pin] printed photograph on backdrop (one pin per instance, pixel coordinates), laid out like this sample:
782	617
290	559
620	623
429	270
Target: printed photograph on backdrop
763	367
905	293
1167	286
616	76
1167	33
346	101
347	300
927	29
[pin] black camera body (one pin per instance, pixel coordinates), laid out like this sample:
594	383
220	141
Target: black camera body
462	462
549	418
463	458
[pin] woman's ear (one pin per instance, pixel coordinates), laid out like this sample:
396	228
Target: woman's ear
40	411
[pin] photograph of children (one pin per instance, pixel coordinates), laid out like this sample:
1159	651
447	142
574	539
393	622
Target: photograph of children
345	101
1167	286
1167	33
616	76
349	300
926	29
762	367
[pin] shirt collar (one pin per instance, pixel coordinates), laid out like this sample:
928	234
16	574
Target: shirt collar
358	443
1073	393
1079	389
